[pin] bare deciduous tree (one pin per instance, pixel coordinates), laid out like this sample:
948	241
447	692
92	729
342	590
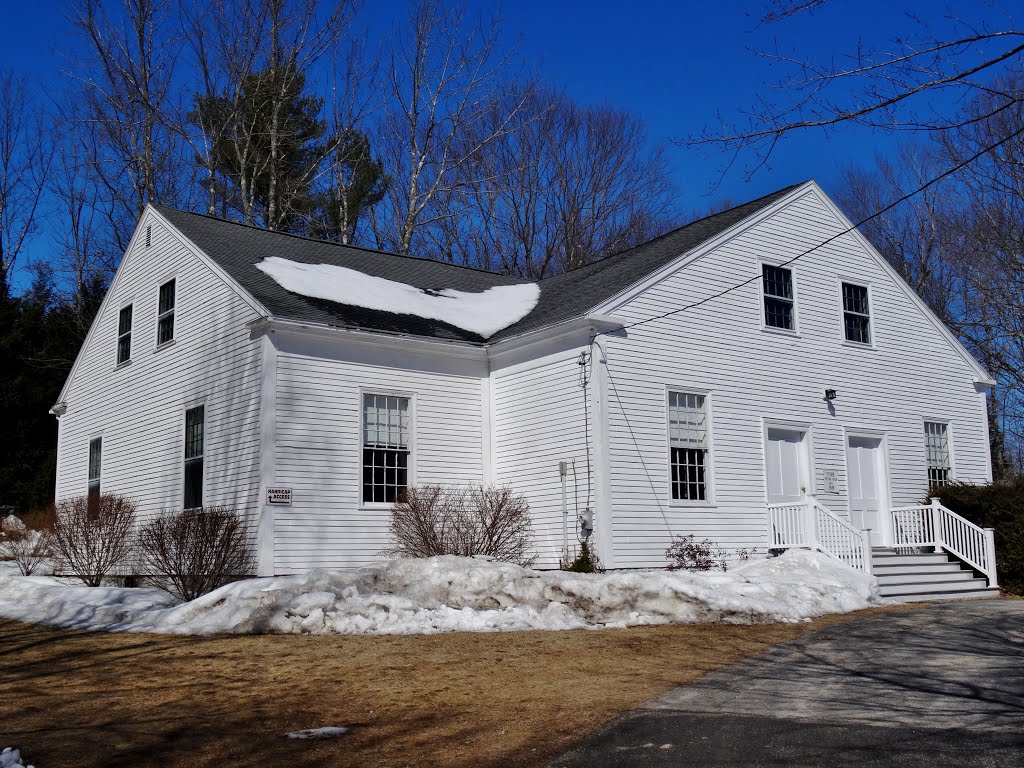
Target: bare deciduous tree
126	83
891	87
563	186
25	158
443	80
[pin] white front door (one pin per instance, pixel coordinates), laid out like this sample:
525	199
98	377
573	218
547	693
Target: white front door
786	466
866	469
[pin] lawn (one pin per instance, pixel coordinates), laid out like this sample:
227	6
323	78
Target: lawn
80	699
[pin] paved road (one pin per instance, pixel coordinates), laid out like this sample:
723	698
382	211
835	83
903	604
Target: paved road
938	686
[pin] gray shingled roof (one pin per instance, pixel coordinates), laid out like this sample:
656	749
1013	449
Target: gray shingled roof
238	248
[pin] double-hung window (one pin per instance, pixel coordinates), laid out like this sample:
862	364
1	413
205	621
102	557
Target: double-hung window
195	419
386	447
165	314
777	290
936	442
124	335
856	314
95	460
688	446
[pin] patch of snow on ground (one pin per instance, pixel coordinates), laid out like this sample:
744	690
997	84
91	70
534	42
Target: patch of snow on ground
11	758
449	594
327	732
484	313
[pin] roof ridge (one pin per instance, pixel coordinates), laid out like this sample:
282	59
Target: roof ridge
671	232
320	241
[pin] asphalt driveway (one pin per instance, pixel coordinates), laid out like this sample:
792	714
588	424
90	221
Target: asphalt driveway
936	686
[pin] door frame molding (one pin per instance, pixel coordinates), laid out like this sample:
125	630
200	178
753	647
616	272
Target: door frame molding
804	427
885	532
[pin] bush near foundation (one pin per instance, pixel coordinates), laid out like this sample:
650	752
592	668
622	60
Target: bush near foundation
431	520
999	506
92	537
27	541
195	551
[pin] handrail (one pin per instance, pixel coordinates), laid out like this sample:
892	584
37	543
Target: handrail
934	525
810	525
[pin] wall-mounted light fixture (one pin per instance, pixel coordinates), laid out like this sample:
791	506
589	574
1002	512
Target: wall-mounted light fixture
831	394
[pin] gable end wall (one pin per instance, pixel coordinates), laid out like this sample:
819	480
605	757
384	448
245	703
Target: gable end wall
912	374
138	408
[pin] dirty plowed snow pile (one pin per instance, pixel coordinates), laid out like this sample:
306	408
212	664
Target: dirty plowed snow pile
447	594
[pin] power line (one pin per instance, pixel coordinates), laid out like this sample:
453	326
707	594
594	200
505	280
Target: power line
865	220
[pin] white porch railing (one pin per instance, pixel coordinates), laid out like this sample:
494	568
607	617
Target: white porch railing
809	525
934	525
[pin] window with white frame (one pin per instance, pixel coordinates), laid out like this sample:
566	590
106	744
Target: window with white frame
386	449
856	314
124	335
688	446
195	426
777	290
936	441
95	460
165	314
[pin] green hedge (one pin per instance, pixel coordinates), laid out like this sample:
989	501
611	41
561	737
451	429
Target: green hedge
1001	507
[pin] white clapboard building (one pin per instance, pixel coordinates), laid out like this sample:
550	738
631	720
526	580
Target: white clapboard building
760	377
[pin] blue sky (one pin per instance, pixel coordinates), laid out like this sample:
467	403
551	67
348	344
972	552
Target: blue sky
675	64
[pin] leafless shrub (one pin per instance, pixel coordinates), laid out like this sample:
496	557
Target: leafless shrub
196	551
92	537
483	520
27	543
688	554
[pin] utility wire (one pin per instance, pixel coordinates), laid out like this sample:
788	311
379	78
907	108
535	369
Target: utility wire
865	220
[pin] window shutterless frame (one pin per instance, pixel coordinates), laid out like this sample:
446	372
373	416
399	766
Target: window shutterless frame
938	450
166	304
194	454
779	298
124	334
857	324
95	466
382	469
689	455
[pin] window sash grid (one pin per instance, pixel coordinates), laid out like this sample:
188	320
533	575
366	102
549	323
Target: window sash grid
386	437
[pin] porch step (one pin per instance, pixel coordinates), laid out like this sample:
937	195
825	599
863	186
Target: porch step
906	577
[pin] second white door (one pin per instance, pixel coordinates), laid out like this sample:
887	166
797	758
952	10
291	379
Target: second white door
865	466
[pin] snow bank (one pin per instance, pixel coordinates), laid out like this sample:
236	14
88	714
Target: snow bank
327	732
11	758
483	313
448	594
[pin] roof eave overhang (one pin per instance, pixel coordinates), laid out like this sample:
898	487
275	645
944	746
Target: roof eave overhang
590	324
410	342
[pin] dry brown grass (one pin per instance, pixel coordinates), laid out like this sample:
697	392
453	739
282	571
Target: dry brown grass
86	699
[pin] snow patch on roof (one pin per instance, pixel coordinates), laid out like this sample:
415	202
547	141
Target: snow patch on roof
484	313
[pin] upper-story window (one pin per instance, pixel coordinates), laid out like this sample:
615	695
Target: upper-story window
778	297
195	423
386	447
95	460
688	445
936	442
856	314
165	314
124	335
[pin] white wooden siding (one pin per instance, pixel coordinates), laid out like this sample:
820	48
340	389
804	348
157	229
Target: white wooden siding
139	408
911	374
318	450
538	412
